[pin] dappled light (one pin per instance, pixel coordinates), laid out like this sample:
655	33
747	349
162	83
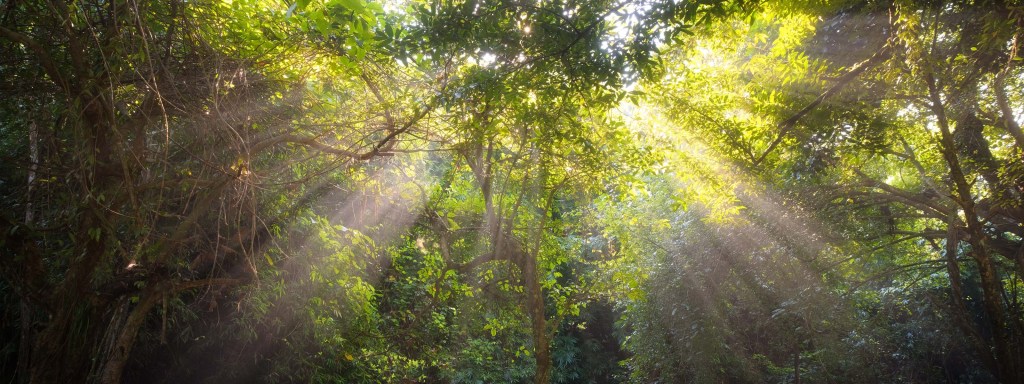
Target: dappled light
549	191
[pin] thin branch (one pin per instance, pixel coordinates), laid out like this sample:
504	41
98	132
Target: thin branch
787	125
42	56
380	148
909	198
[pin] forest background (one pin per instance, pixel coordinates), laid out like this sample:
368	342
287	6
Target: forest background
548	191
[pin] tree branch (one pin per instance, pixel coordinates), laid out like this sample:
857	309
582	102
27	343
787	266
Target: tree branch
42	56
787	125
380	148
1008	120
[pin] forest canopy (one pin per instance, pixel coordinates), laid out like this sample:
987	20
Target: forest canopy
546	191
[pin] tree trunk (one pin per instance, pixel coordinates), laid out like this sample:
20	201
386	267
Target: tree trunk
991	285
59	353
113	369
541	335
960	311
535	304
25	344
796	367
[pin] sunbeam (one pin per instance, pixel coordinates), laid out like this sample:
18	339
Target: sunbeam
543	191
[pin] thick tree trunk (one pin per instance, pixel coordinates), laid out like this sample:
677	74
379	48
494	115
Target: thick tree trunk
59	354
991	285
960	311
113	369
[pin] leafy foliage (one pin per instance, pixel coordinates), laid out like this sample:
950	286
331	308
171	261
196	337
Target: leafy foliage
504	191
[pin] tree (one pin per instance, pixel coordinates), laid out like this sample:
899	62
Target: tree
531	122
909	119
503	191
153	133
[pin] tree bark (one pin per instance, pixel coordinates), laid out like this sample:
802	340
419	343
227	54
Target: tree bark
796	367
538	322
990	283
1006	112
960	311
113	369
25	344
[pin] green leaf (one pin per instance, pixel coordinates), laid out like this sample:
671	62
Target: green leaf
356	6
